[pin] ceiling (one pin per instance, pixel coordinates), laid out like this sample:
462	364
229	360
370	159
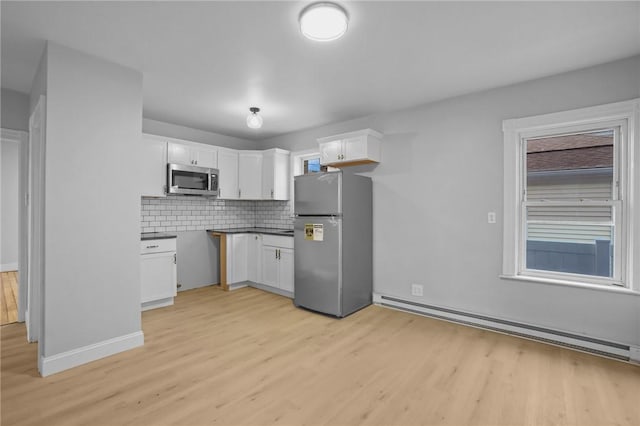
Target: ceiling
206	63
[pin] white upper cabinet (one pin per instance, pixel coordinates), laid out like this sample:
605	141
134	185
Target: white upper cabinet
153	166
250	175
228	178
350	149
243	174
275	174
193	154
206	156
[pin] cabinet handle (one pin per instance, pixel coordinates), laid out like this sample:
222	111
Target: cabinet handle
156	246
175	259
239	193
272	193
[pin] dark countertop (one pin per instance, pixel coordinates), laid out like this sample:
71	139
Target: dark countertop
270	231
155	236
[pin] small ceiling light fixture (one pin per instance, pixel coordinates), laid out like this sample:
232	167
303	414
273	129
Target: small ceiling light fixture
254	121
323	21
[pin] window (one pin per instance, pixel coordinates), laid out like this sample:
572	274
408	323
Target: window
568	185
312	165
302	163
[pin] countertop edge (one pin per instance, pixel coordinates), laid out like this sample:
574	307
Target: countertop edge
146	236
278	232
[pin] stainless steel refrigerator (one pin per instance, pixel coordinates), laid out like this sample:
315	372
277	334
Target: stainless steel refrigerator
333	242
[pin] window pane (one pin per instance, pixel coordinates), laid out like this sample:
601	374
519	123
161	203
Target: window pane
571	167
312	165
570	239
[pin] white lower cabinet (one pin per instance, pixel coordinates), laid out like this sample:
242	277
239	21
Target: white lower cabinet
270	266
285	269
277	262
158	273
237	258
263	259
254	257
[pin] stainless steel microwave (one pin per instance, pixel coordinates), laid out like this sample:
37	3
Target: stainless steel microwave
192	180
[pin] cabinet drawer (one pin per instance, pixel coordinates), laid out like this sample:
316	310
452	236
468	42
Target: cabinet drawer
277	241
157	246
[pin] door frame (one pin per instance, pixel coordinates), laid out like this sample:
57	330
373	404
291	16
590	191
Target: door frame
20	137
35	223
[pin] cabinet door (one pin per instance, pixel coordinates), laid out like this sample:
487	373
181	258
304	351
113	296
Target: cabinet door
269	266
153	167
268	177
250	175
355	148
239	247
330	152
281	176
286	270
254	258
158	276
205	157
180	154
228	179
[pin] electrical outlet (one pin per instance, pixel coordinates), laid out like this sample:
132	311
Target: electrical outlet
491	217
416	290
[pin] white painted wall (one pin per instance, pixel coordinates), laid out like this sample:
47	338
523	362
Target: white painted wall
92	209
15	110
161	128
441	172
10	158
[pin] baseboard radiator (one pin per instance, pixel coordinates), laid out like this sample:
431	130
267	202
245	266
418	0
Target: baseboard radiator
560	338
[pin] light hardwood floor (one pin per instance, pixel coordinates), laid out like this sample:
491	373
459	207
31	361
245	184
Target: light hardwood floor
9	296
250	358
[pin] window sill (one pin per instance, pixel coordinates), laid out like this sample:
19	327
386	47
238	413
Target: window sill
564	283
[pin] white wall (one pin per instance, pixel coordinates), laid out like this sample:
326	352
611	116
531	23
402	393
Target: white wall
10	157
92	210
187	133
15	110
441	172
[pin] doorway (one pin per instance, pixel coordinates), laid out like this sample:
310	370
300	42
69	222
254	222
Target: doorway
13	143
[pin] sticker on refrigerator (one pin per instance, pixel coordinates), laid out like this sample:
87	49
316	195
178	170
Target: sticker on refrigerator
314	231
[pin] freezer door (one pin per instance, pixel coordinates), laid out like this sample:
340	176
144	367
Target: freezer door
318	194
318	264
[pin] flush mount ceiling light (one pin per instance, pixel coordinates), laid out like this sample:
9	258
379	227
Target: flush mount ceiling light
254	121
323	21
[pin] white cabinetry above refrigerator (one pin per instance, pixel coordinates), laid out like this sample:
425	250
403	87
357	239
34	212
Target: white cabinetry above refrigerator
350	149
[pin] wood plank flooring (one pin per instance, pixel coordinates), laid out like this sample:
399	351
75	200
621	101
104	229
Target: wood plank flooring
9	296
251	358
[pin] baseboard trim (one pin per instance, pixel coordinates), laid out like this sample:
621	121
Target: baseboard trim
157	304
577	342
73	358
270	289
7	267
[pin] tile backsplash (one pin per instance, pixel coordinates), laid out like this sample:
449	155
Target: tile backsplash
179	213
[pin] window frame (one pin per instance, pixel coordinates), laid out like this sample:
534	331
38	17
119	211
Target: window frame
622	115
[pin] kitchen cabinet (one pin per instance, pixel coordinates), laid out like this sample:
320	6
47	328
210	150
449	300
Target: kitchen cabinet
193	154
153	166
258	260
228	178
275	174
158	273
350	149
237	258
250	175
254	258
277	262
